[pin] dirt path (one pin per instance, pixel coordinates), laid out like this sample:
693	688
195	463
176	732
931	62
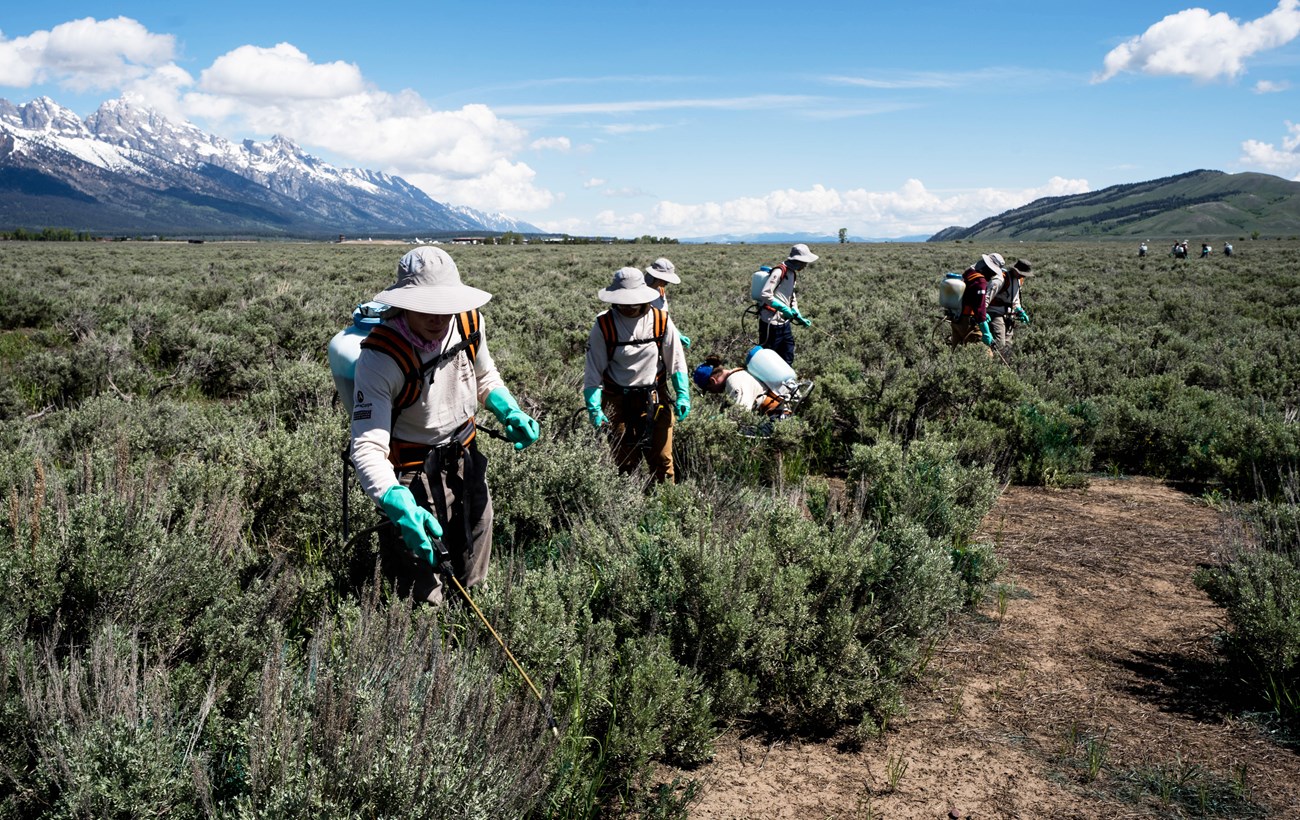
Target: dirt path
1082	691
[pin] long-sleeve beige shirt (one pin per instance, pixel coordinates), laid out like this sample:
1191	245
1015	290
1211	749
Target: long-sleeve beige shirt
779	287
631	365
449	399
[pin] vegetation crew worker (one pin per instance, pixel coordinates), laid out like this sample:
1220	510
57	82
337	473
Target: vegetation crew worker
973	323
779	304
419	379
633	351
662	273
1004	308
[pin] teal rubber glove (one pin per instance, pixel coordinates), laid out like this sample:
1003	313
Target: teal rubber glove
419	526
1022	316
521	428
784	309
986	332
801	319
686	341
682	403
594	411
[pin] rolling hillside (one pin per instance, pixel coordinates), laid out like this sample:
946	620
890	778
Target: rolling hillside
1196	205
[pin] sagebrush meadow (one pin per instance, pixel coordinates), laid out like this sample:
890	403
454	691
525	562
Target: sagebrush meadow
183	632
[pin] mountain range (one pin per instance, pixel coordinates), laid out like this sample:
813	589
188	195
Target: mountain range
1198	204
128	169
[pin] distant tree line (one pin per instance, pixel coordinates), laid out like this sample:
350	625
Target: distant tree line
47	235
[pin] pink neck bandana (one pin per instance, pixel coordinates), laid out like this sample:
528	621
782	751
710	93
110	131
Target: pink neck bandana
416	342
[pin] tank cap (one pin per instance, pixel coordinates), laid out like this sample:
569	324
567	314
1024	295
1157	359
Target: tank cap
368	314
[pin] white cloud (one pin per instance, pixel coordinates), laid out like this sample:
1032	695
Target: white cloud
561	144
1195	43
279	73
912	209
759	101
594	182
1274	159
85	54
504	186
1270	87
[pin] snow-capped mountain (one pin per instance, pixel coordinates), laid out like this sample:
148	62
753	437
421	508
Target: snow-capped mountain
128	168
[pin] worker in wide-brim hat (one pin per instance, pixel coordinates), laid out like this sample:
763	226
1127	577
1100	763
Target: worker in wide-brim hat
1004	307
778	304
659	275
420	378
633	352
972	324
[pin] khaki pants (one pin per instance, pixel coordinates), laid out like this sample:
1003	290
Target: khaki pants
456	492
625	411
1004	328
965	332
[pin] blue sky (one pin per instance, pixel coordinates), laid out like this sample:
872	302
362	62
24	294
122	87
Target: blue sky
693	118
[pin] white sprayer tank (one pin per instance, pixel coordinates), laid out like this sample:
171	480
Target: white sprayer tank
950	292
774	372
345	347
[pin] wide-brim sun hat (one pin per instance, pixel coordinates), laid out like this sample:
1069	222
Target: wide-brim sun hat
429	282
1023	268
994	262
800	253
664	270
628	288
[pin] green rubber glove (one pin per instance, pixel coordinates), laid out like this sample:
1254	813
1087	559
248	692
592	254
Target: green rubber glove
1022	316
419	526
986	333
686	340
594	411
521	428
784	309
682	404
801	319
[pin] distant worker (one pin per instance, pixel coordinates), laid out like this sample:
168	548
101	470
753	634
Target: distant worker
1179	251
419	377
633	352
662	273
1227	249
1142	249
1004	308
1206	250
973	324
779	305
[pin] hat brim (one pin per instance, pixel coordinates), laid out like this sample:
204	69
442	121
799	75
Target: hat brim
664	276
807	258
992	264
628	296
1023	274
443	301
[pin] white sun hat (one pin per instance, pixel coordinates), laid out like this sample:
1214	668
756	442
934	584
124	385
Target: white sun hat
628	288
663	269
994	262
428	282
800	253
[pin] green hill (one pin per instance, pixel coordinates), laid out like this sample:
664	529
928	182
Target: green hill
1196	205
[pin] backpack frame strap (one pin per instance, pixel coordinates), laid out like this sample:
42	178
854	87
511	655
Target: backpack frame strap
388	341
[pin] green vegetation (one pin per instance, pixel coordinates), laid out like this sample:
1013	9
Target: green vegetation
181	632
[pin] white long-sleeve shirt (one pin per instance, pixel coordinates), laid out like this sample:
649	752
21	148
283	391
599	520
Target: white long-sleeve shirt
779	287
449	399
631	365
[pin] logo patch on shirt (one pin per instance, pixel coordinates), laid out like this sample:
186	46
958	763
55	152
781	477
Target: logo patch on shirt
361	415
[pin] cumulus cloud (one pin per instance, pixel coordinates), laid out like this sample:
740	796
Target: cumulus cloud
279	73
1277	159
85	54
1195	43
561	144
1270	87
912	209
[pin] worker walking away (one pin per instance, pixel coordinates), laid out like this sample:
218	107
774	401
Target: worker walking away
972	325
633	352
1004	308
778	303
420	376
662	273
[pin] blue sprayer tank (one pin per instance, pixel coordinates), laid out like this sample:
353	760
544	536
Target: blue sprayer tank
345	347
950	292
769	368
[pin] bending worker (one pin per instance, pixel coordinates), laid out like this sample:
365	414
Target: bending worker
633	351
1004	308
419	378
973	323
778	305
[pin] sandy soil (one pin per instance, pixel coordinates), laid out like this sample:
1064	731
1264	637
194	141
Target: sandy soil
1085	689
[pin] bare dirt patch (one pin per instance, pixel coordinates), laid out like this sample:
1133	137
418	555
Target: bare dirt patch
1086	688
